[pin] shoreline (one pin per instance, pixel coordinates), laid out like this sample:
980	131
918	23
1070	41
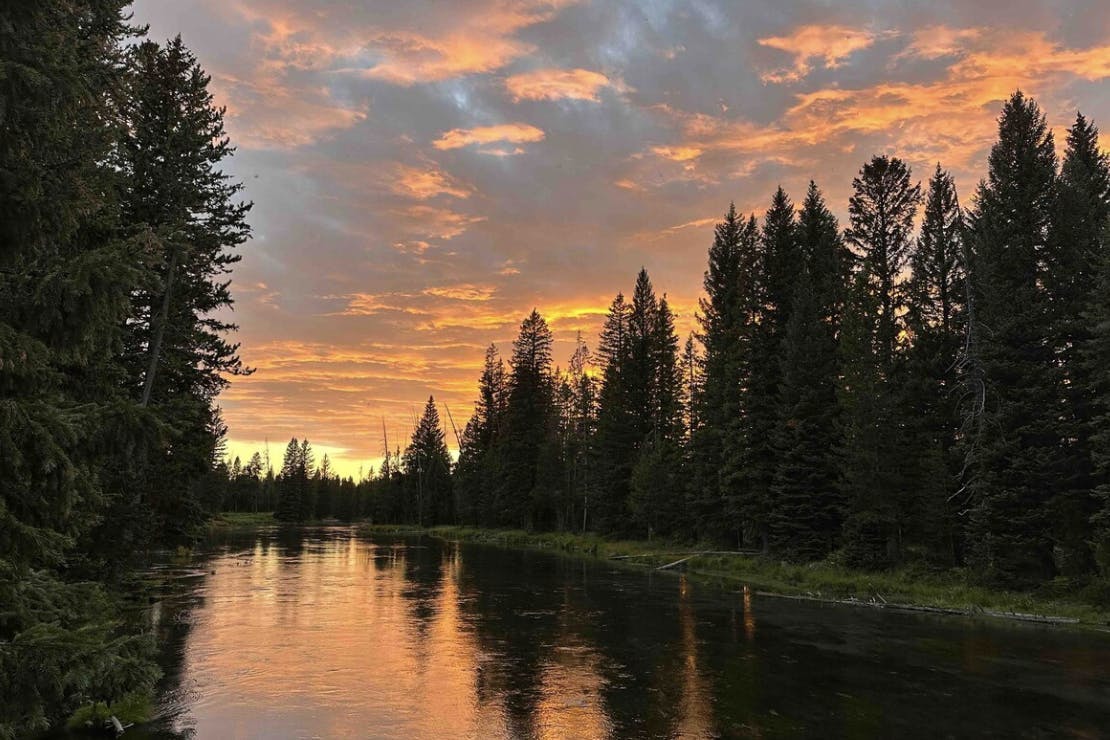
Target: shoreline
910	588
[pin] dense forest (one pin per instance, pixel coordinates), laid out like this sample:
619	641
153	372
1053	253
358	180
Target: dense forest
926	385
117	234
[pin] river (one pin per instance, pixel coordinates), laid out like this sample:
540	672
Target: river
326	633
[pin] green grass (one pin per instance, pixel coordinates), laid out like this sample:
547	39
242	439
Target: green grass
130	709
909	586
243	519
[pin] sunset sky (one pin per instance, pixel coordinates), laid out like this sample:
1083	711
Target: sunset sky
425	173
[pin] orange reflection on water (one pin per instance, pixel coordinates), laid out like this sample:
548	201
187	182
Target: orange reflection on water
330	637
696	707
749	615
340	637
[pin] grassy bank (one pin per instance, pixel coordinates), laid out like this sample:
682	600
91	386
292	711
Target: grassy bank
242	519
906	587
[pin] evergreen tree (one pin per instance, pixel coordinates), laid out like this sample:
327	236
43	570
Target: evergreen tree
1013	433
306	461
617	433
176	347
1096	357
476	470
66	430
768	275
655	485
427	466
806	504
829	260
581	413
881	212
804	521
1078	240
528	423
723	320
936	322
290	484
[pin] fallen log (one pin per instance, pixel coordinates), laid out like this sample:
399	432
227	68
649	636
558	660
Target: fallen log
677	562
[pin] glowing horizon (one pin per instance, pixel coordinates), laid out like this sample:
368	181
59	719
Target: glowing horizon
424	175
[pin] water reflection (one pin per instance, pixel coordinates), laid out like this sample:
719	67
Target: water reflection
322	633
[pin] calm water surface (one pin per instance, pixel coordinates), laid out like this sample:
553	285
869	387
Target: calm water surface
325	633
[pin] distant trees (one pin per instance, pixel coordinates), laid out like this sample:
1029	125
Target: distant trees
296	499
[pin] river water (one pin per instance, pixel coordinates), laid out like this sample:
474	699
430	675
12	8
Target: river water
322	633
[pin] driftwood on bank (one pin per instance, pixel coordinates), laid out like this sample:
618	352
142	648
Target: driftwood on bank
677	562
745	553
880	603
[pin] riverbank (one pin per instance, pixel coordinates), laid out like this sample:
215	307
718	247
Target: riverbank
909	588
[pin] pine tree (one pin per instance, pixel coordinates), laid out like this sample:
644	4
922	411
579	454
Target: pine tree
881	211
722	319
290	491
936	323
427	466
617	435
476	470
580	435
65	427
1077	247
655	484
806	503
828	258
306	461
528	421
1096	356
1013	433
804	521
175	195
768	276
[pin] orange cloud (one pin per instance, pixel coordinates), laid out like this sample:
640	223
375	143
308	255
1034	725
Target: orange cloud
425	183
934	42
916	119
513	133
677	153
557	84
267	113
477	42
831	45
463	292
440	223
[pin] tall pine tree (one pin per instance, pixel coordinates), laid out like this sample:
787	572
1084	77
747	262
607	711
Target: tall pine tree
1013	434
722	321
881	212
936	323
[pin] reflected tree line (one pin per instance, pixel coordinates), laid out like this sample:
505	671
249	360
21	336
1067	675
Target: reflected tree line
553	655
542	646
880	394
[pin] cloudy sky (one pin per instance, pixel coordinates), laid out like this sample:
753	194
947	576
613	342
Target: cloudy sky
426	172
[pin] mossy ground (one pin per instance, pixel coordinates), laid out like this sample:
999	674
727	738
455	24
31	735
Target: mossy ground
130	709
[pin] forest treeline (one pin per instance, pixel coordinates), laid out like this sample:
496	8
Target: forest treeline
117	232
880	394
